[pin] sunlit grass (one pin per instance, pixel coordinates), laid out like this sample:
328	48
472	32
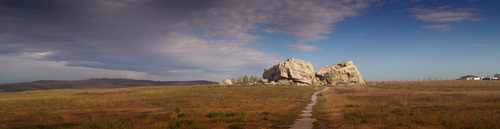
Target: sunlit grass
430	104
155	107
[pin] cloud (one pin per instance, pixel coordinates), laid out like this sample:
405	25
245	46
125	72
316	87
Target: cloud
437	27
444	14
36	55
358	59
309	20
213	55
154	36
482	45
303	47
20	69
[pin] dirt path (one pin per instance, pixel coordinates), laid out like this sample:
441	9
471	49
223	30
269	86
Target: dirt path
306	122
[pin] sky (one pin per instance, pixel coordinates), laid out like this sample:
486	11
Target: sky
176	40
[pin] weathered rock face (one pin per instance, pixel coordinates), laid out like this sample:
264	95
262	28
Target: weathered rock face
226	82
293	70
299	72
343	73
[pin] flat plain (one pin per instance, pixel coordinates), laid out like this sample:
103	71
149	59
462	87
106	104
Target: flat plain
155	107
455	104
410	104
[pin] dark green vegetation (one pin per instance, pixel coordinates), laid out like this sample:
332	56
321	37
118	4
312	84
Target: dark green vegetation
425	104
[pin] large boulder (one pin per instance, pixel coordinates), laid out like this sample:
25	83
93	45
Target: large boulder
293	70
226	82
342	73
300	72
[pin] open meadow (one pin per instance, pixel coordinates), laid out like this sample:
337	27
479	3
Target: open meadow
422	104
156	107
453	104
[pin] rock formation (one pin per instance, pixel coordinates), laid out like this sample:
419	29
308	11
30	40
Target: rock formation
292	71
226	82
342	73
295	71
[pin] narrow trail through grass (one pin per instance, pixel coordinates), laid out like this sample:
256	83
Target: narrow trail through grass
306	122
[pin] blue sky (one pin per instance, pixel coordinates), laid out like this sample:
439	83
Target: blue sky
213	40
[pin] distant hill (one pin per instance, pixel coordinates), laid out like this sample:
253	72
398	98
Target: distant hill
94	83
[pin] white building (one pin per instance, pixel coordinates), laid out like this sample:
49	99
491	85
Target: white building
469	77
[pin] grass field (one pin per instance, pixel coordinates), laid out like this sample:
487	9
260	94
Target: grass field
155	107
422	104
453	104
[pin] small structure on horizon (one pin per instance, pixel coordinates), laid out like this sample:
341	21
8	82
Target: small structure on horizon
470	77
496	76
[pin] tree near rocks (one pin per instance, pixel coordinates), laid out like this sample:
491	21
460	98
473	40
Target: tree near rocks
245	79
256	79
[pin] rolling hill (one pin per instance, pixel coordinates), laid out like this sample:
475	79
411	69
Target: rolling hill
94	83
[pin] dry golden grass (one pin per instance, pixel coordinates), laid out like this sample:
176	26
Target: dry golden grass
155	107
426	104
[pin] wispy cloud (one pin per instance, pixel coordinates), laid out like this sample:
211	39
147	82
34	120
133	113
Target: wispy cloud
358	59
437	27
444	14
213	55
482	45
311	20
19	68
36	55
303	47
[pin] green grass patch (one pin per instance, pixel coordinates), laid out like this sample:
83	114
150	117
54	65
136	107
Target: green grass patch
227	117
